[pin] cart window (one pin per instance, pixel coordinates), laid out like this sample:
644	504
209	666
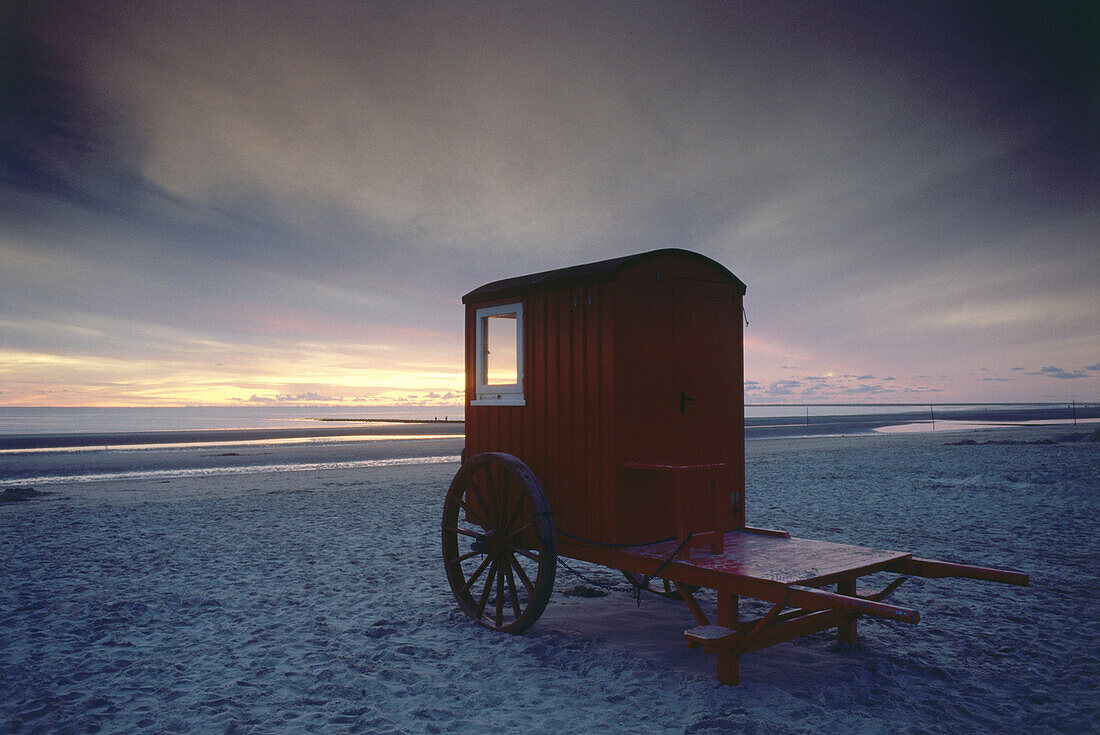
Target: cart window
500	354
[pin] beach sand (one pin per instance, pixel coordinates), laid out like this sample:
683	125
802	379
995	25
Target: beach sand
315	601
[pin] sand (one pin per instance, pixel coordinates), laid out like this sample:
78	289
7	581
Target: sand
315	601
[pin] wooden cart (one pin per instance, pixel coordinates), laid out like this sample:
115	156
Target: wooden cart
605	422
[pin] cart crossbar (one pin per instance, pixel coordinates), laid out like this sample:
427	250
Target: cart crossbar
778	627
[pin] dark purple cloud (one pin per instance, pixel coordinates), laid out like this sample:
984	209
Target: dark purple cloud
1056	372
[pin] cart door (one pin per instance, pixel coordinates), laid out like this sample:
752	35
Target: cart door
706	371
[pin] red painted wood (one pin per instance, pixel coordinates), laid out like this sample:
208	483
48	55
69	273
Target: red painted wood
578	446
546	388
700	507
766	564
608	433
847	632
939	569
693	605
766	531
593	449
810	598
612	353
735	641
601	388
729	672
672	467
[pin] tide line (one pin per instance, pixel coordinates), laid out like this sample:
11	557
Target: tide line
221	471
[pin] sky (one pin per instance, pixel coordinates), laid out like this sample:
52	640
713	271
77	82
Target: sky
283	203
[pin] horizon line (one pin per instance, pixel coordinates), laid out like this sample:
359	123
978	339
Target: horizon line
800	404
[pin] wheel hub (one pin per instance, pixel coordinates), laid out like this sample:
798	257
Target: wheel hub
488	543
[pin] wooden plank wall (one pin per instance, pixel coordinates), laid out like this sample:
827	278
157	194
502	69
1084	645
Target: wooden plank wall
596	377
644	509
647	411
565	430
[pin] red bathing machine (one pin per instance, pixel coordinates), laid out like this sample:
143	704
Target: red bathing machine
623	363
605	422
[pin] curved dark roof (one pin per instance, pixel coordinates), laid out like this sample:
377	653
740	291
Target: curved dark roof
600	270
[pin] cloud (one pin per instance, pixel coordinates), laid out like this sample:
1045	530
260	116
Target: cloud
782	388
302	181
864	390
1056	372
307	397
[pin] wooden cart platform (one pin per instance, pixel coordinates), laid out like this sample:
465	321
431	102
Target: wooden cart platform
789	573
761	556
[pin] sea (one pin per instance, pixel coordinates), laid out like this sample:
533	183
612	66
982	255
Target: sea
52	445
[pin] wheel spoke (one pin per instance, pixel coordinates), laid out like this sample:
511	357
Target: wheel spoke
471	512
482	503
464	532
488	586
473	577
530	555
470	555
500	595
512	588
491	489
513	514
518	531
522	575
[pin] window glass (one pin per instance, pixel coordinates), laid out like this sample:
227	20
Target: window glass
501	354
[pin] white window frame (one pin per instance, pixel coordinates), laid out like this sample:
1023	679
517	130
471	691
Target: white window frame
507	394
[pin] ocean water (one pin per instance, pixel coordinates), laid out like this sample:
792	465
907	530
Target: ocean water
842	417
39	420
47	446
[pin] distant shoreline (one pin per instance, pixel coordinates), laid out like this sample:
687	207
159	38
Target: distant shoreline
335	428
400	430
392	421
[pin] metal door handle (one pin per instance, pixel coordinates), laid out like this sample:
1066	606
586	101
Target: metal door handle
684	398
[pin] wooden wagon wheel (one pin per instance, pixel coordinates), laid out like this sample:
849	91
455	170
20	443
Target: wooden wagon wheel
498	542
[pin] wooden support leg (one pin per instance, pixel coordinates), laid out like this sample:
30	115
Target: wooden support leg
846	631
683	516
728	661
720	509
693	605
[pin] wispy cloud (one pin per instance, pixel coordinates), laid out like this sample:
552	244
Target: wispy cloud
1056	372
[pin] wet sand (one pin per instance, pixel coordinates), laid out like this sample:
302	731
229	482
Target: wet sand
315	601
